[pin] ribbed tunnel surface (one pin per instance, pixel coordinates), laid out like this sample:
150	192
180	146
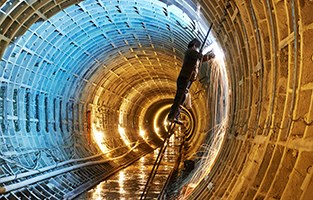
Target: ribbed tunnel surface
82	85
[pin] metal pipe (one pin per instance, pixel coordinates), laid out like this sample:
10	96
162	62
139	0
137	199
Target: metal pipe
275	67
294	70
261	69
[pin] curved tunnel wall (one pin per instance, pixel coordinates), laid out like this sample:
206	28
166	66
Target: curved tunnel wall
267	152
76	84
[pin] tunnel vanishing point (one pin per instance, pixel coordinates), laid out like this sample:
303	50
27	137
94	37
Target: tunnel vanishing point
86	86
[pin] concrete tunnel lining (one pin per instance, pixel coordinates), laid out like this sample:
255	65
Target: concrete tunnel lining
268	148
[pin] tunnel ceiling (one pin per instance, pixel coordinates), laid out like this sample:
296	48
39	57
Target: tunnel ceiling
101	56
126	46
61	60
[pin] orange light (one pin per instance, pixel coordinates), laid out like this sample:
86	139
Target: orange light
156	118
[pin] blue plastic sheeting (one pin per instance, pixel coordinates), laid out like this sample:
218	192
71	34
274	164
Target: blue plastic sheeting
73	38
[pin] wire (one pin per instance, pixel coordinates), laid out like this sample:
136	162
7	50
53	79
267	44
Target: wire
275	127
303	120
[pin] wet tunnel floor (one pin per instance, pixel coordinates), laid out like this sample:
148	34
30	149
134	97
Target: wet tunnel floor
128	184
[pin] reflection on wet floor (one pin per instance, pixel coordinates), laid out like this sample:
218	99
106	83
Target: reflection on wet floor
129	183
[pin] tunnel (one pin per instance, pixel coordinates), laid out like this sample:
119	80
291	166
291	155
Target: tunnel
86	87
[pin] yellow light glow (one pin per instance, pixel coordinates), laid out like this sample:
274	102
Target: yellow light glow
142	133
192	185
142	174
166	123
219	54
123	135
120	120
157	115
121	178
145	138
121	182
96	194
99	138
